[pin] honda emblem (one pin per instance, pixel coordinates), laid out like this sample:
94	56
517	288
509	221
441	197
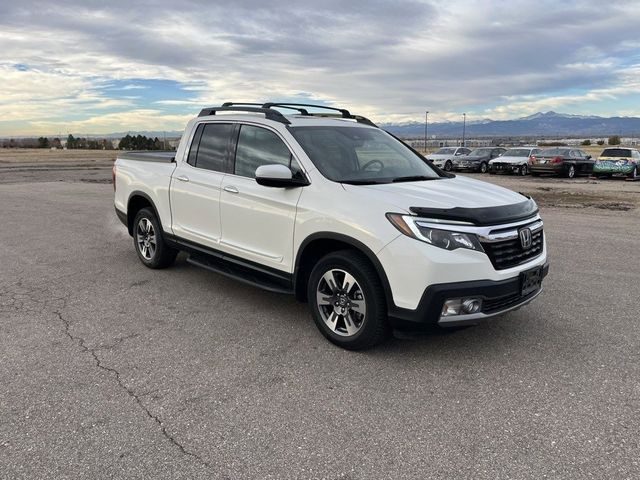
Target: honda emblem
525	238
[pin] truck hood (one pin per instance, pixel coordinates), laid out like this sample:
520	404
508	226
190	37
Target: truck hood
445	193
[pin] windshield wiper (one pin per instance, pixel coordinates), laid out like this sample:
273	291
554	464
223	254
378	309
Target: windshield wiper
413	178
364	182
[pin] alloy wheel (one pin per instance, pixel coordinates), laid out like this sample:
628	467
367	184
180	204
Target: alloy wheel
146	238
341	302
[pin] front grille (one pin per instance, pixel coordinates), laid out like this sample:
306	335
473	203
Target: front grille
502	303
510	253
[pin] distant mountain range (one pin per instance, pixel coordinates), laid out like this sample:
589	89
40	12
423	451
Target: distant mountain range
549	124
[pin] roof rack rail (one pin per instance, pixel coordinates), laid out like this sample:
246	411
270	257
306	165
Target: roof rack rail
269	113
343	113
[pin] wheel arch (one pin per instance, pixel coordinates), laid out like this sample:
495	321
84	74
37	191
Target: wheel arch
136	202
319	244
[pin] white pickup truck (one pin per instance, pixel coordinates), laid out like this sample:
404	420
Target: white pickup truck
332	209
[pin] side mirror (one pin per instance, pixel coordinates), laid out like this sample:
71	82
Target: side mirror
277	175
588	157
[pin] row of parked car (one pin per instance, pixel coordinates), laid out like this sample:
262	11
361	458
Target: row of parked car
565	161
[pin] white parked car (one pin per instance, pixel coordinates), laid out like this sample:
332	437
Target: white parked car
337	212
514	160
444	157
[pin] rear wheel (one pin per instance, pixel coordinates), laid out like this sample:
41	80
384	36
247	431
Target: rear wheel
347	300
634	173
571	171
150	246
483	167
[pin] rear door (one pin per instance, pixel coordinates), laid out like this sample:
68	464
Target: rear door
258	221
196	183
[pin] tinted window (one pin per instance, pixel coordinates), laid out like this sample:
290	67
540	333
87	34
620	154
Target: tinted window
464	151
193	151
359	154
258	146
446	151
212	151
616	152
517	152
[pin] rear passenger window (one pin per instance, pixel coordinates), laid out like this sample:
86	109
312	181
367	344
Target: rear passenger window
259	146
193	151
212	151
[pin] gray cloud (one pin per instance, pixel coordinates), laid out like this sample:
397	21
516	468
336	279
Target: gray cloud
380	56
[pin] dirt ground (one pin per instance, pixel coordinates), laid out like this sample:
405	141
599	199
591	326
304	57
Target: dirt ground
94	166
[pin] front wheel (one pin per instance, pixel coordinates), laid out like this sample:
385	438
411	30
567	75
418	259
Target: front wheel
634	173
483	167
448	166
347	300
523	170
571	171
150	246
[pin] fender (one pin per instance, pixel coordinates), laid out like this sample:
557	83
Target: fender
358	245
138	193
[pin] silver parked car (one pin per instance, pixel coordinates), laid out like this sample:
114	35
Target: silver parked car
514	160
443	158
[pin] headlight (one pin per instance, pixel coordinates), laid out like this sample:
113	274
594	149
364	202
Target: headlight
447	239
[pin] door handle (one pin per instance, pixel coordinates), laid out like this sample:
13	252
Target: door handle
231	189
183	178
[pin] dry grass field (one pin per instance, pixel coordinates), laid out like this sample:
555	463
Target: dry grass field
43	156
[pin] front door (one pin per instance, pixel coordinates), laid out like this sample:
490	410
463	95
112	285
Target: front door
258	221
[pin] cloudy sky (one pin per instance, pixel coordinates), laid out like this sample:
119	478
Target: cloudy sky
100	67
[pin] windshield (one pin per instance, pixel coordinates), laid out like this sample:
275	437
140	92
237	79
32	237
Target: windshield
478	152
446	151
616	152
361	155
517	152
550	152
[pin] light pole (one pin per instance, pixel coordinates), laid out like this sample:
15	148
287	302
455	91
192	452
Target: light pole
426	122
464	125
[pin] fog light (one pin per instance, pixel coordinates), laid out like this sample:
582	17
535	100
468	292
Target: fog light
471	305
452	307
461	306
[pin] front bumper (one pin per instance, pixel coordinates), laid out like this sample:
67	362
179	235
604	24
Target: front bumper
504	167
499	297
471	166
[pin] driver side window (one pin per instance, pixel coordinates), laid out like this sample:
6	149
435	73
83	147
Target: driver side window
259	146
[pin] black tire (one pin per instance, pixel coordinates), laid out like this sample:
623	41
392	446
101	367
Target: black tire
448	166
523	170
634	173
374	326
157	253
571	171
483	167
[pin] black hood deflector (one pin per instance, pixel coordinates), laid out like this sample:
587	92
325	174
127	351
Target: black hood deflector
483	216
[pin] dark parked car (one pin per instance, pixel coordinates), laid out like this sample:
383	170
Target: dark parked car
565	161
478	159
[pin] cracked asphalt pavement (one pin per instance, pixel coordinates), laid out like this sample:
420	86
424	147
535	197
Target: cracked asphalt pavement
112	370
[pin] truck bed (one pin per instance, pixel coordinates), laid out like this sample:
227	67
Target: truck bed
159	156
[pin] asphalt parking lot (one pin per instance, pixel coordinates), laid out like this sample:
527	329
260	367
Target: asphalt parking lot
112	370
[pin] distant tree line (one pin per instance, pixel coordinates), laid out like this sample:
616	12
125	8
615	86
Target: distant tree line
79	143
129	142
140	142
